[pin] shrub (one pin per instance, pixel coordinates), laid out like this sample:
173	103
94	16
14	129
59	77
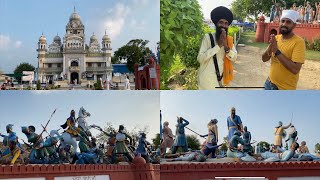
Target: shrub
38	85
313	45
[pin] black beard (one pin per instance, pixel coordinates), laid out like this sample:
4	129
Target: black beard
284	32
219	31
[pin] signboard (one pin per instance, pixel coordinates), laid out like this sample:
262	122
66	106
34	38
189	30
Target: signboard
153	73
93	177
28	78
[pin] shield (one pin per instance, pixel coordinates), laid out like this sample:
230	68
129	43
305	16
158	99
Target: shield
120	137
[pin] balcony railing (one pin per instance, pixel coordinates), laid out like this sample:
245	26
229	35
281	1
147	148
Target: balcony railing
74	68
96	68
51	69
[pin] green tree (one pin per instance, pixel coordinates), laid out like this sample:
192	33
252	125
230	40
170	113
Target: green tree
115	60
179	20
156	140
317	148
23	67
252	8
97	85
135	133
103	138
224	146
133	52
193	142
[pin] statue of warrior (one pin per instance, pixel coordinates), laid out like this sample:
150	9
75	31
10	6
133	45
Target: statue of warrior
180	140
247	148
121	147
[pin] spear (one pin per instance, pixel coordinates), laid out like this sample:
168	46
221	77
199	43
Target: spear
44	128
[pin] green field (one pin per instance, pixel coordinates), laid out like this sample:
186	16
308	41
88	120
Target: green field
248	38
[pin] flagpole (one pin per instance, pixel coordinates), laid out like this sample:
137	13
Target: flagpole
160	126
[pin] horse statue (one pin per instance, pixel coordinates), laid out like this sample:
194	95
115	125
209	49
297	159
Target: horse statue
66	138
82	134
82	123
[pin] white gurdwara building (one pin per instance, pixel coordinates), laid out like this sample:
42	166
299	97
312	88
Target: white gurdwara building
72	61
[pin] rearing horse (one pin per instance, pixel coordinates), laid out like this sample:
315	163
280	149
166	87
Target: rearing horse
72	140
82	123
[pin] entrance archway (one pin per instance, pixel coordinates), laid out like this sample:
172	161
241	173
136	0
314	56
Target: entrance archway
74	76
273	31
74	63
143	83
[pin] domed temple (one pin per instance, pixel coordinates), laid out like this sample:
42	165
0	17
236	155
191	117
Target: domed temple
71	60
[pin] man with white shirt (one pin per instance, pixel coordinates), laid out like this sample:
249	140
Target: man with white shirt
216	53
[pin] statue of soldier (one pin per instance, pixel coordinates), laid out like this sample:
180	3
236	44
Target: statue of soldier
247	148
233	150
180	140
143	146
37	155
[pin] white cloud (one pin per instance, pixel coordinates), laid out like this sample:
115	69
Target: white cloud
18	44
141	2
4	42
141	25
116	22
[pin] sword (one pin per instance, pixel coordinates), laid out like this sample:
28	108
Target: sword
195	133
291	118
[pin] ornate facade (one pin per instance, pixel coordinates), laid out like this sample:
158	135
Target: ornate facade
72	60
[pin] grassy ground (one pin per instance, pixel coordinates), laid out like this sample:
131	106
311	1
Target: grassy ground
248	38
313	55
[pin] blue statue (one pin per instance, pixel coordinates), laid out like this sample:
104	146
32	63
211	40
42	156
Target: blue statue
180	140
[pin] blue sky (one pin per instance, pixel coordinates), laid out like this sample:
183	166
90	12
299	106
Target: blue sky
22	23
260	111
208	5
134	109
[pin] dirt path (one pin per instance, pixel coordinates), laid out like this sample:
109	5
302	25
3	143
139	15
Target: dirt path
250	71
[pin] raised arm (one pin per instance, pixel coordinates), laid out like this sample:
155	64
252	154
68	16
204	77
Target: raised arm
206	135
286	127
185	122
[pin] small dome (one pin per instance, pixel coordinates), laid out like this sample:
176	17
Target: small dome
57	38
93	38
42	38
74	16
105	38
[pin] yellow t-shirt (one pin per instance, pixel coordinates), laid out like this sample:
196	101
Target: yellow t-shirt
293	49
